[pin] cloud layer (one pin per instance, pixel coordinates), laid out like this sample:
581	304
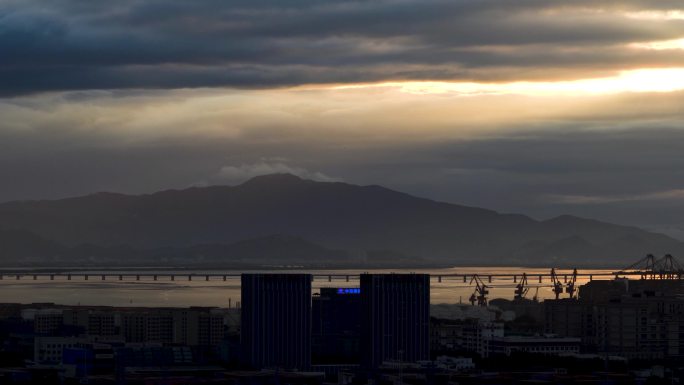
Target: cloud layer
244	172
77	45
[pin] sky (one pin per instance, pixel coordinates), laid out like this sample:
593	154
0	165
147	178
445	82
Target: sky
538	107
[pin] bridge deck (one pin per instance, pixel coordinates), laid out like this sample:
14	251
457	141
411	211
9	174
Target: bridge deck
103	276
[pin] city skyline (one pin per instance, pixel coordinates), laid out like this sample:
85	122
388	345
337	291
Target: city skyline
341	192
384	328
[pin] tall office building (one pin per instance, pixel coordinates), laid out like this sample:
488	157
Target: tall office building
336	326
276	320
395	323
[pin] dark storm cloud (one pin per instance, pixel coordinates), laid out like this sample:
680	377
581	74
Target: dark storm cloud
72	44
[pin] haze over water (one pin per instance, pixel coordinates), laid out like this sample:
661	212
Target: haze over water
216	292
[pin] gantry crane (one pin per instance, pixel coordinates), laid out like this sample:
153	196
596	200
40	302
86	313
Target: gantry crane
570	286
670	268
649	267
521	288
557	285
480	293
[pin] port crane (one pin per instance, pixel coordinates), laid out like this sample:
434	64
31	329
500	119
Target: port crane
670	268
479	296
570	286
649	267
557	284
521	288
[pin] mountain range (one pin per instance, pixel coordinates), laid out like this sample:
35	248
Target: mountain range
281	219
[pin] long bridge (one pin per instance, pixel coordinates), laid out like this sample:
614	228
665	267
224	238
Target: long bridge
190	276
647	267
560	281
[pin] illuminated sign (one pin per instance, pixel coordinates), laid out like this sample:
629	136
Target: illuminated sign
349	291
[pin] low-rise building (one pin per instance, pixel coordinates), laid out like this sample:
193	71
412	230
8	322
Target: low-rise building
546	345
471	334
47	321
631	318
49	350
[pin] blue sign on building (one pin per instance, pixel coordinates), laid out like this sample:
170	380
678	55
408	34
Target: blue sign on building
349	290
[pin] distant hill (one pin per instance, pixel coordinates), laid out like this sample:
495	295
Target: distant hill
21	245
321	222
274	249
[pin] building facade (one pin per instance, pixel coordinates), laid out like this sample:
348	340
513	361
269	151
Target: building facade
395	323
546	345
641	319
336	326
276	320
467	335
